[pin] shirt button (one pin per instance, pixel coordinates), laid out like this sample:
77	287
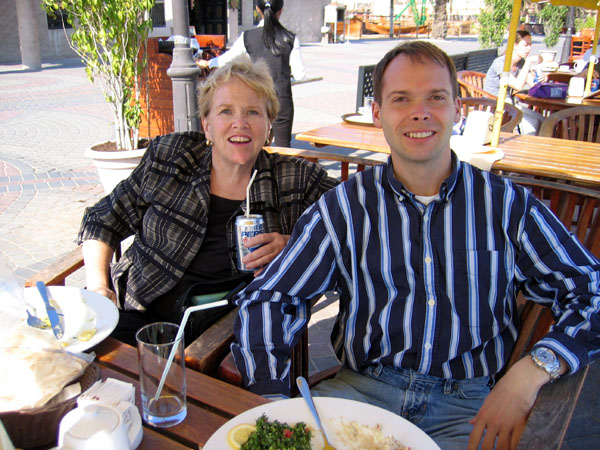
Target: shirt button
427	346
431	302
427	260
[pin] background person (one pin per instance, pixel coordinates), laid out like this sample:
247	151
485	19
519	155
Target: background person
428	254
280	49
180	204
521	74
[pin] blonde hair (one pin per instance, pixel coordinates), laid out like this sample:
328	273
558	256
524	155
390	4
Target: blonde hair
255	75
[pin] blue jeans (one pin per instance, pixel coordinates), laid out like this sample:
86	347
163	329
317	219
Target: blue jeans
441	408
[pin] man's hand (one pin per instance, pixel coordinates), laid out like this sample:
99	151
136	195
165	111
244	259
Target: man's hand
504	413
270	244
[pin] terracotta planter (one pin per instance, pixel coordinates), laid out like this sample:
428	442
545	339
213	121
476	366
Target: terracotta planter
114	166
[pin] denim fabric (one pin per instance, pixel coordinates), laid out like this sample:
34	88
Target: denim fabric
441	408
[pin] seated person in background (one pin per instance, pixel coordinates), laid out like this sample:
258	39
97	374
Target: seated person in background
181	202
521	74
428	254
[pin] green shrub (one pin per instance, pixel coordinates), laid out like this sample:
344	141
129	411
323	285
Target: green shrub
553	18
494	22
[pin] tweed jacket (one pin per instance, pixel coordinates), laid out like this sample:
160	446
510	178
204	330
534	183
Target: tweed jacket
164	204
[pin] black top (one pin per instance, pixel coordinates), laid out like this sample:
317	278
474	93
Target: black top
210	270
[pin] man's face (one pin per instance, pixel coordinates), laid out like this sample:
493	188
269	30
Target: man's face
417	111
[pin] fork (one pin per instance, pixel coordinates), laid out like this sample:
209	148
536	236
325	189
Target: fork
36	322
305	391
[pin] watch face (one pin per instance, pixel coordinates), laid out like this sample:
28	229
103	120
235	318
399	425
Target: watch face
546	356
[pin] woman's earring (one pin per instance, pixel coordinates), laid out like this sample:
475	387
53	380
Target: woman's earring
269	137
208	143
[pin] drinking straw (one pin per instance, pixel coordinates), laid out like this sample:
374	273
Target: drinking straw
248	193
186	315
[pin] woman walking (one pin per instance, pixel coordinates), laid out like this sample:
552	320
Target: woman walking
280	49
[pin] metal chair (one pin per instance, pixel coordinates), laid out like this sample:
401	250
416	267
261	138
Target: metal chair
364	87
471	84
510	119
581	123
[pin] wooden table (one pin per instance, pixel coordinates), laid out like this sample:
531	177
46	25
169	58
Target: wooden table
210	402
559	159
546	106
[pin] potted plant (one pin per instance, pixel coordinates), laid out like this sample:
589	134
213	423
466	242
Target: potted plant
109	35
553	18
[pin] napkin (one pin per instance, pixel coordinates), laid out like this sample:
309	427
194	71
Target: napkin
35	368
481	156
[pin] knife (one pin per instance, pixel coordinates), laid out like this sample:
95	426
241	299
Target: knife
57	328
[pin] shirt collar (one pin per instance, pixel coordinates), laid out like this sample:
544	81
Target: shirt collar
446	188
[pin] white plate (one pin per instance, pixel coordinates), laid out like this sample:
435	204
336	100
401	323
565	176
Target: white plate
331	410
358	119
80	307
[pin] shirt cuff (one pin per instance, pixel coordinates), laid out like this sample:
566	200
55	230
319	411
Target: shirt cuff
266	387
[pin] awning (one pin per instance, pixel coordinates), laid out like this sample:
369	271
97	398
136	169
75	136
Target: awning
514	24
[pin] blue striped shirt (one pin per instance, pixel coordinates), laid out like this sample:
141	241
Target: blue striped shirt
429	288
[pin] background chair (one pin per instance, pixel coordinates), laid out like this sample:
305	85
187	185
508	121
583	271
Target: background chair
510	119
581	123
470	84
364	87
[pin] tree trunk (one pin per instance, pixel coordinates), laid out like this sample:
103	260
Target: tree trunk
439	29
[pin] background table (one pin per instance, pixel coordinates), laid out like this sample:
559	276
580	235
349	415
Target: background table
210	402
558	159
546	106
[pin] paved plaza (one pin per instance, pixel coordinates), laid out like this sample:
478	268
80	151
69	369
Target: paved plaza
49	117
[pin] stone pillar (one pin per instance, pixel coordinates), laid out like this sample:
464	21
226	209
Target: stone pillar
29	35
183	72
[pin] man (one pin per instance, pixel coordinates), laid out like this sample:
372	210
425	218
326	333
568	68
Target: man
428	254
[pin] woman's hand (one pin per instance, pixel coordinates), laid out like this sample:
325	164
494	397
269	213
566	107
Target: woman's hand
202	63
270	245
107	292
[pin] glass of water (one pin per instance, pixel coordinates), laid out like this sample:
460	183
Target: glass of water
155	342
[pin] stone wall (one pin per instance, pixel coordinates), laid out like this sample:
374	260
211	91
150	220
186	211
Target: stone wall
9	34
305	18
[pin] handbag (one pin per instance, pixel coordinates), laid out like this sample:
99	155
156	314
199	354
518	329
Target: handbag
547	89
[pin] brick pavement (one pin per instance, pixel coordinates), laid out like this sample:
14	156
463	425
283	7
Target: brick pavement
48	118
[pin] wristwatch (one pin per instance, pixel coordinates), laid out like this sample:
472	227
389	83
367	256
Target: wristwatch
546	359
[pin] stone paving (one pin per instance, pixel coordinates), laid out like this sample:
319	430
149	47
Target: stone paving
48	118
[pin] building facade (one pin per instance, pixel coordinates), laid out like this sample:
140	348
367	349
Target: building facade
28	36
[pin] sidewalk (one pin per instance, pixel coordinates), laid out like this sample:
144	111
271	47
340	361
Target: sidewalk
48	119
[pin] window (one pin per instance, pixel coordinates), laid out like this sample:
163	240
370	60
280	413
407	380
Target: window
55	21
157	14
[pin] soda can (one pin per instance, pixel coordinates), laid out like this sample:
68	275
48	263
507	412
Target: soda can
246	227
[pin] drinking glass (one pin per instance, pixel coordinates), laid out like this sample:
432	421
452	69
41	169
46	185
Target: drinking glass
155	342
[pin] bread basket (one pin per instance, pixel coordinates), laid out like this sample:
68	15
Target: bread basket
38	427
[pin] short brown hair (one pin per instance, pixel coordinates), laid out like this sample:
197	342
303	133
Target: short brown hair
255	74
416	51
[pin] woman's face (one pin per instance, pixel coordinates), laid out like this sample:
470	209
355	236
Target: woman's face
237	123
524	47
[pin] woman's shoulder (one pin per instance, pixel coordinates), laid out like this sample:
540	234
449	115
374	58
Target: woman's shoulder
168	145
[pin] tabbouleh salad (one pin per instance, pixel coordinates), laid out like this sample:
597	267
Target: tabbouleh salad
278	436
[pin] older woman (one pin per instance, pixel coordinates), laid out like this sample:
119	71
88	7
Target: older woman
180	204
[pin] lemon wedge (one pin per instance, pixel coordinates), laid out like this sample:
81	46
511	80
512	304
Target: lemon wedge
239	434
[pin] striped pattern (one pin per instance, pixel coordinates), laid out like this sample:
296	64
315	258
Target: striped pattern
165	202
426	288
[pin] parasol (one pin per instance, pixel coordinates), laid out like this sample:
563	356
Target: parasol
514	23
